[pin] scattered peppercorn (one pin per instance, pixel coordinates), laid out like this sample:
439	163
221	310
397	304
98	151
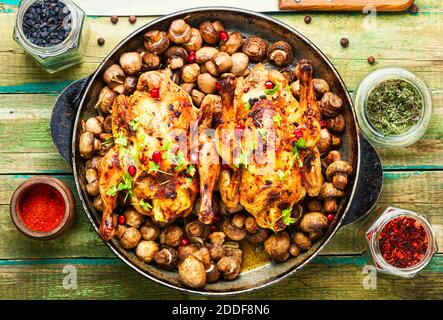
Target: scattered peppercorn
344	42
46	23
100	41
132	19
308	19
114	19
371	59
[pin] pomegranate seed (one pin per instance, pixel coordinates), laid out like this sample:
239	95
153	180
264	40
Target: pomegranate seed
218	86
185	241
331	217
246	89
298	133
121	219
191	57
213	228
323	123
217	218
225	166
155	93
132	171
223	36
269	85
157	157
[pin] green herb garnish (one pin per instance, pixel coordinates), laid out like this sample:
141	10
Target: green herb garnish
247	106
277	119
297	156
270	92
126	184
286	216
281	174
394	106
121	140
145	205
153	167
133	124
190	170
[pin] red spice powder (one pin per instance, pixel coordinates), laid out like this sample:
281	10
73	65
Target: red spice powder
403	242
42	208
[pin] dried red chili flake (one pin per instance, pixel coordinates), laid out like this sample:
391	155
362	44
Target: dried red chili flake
403	242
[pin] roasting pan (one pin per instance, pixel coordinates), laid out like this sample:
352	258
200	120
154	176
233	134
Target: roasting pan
77	102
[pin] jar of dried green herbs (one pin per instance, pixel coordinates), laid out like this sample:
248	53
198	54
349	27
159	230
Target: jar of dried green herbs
393	107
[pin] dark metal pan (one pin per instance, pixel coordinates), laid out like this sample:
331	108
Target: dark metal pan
78	100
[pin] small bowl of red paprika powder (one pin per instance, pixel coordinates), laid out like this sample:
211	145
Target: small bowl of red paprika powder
42	208
401	242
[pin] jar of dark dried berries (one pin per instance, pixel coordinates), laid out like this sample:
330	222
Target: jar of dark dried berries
51	32
401	242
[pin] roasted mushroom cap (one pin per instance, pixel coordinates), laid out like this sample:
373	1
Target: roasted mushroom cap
114	75
212	274
337	123
86	144
233	232
156	41
166	258
330	104
195	42
179	31
302	241
150	231
206	83
94	125
205	54
192	273
223	61
105	100
280	53
230	267
146	250
234	43
329	191
258	236
173	235
209	32
186	251
176	56
131	62
255	48
277	246
338	172
130	84
313	222
151	61
240	62
130	238
190	72
320	87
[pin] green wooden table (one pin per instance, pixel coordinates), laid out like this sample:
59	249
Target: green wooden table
413	175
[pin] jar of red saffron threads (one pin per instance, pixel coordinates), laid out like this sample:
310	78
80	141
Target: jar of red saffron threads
401	242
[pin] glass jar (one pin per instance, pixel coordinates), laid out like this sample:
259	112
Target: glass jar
372	238
61	56
361	96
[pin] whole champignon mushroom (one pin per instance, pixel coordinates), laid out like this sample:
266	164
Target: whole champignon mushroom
179	31
294	250
195	229
146	250
206	83
238	220
130	238
119	231
233	232
117	87
210	67
166	258
205	54
105	100
223	61
234	43
328	190
86	144
280	53
320	87
97	203
336	124
197	97
156	41
338	173
133	218
195	42
251	225
332	156
114	75
324	144
93	163
217	237
188	87
210	30
131	62
190	72
150	231
173	235
313	222
216	251
314	205
94	125
92	188
151	61
192	273
258	236
176	56
204	256
230	267
186	251
330	104
212	274
277	246
330	205
240	63
255	48
130	84
302	241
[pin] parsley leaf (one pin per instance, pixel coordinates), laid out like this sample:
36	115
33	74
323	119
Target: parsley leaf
281	174
301	143
133	124
190	170
126	184
121	140
277	119
179	160
288	88
270	92
167	145
153	167
108	141
112	191
145	205
247	106
286	216
297	156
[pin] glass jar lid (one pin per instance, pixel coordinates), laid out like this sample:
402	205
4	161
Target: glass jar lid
360	102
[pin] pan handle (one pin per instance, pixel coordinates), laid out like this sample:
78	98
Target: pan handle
370	182
63	117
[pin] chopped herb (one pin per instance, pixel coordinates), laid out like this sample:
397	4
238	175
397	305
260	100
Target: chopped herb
247	106
108	141
121	140
153	167
286	216
281	174
112	191
126	184
167	145
277	119
133	124
288	88
190	170
145	205
394	106
270	92
301	143
297	156
179	160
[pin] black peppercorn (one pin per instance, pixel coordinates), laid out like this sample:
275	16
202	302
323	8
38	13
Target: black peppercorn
100	41
344	42
132	19
371	60
308	19
114	19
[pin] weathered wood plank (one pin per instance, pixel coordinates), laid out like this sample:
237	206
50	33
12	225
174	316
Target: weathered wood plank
325	277
421	54
419	191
